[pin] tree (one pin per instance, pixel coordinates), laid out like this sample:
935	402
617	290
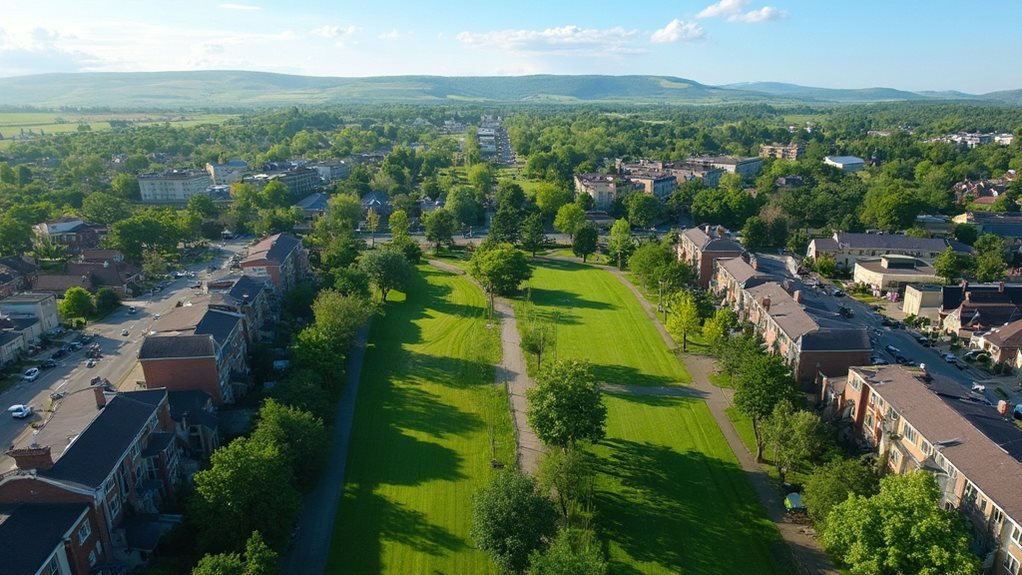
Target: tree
550	197
77	302
569	219
755	235
717	328
500	268
585	241
990	266
343	212
104	208
901	529
568	476
349	281
825	265
298	435
797	242
949	264
573	552
107	300
387	268
684	318
125	186
643	209
398	222
339	317
620	241
832	483
537	337
506	225
303	389
247	487
202	206
533	235
15	235
965	233
440	226
565	407
145	230
511	519
481	177
259	560
372	223
763	382
647	260
741	349
463	204
792	436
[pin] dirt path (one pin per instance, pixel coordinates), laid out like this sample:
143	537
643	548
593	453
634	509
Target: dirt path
512	374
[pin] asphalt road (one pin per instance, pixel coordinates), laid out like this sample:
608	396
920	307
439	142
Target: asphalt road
120	353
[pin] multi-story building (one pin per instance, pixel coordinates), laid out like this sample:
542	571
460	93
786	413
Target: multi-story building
792	151
967	308
50	539
682	171
893	272
17	273
847	248
744	167
1002	343
807	332
279	257
1008	225
226	174
919	422
658	185
173	186
699	248
245	295
41	306
73	234
604	189
332	170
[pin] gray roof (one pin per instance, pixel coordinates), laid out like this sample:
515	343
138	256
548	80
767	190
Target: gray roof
175	346
275	248
7	337
707	244
836	339
897	242
218	324
94	454
846	159
192	403
314	202
247	285
158	443
30	532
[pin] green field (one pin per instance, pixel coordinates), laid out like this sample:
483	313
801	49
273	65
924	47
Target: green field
421	446
597	318
13	124
671	497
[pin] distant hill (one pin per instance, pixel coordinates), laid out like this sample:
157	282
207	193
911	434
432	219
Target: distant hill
219	89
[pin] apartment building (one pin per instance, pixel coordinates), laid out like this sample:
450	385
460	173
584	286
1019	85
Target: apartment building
602	188
792	151
279	257
226	174
847	248
921	422
699	247
245	295
173	186
40	306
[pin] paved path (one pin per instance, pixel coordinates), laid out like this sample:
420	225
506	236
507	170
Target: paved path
806	551
316	523
512	374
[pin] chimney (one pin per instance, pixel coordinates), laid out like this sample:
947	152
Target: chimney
1000	287
968	296
766	303
32	457
797	296
100	397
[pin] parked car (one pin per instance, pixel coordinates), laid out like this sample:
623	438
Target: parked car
90	363
903	360
124	332
48	364
838	293
20	411
132	310
76	345
950	358
893	349
59	354
924	341
877	360
31	374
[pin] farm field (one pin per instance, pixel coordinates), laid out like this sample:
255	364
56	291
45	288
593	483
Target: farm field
421	441
14	124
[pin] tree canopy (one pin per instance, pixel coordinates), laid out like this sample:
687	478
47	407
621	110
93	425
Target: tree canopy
566	406
511	519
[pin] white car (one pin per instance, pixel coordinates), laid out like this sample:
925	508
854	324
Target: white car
31	374
20	411
124	333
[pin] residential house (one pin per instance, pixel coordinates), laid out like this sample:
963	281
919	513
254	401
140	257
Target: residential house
172	186
1003	342
313	206
121	466
893	272
40	306
120	276
792	151
984	191
98	256
279	257
377	201
847	248
71	233
966	308
17	273
698	248
845	163
808	332
195	422
919	422
195	347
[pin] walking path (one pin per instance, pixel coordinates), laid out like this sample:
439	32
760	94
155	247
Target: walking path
512	374
316	523
805	550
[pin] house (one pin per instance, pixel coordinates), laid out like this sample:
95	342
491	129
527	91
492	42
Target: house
698	248
984	191
377	201
71	233
966	308
17	273
226	174
279	257
313	205
604	189
919	422
792	151
195	422
56	538
121	467
194	347
57	284
172	186
847	248
98	256
40	306
807	331
120	276
845	163
1003	343
893	272
11	344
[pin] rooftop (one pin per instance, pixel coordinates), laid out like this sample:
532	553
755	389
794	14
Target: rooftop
882	242
1008	335
845	159
176	346
29	533
275	248
706	243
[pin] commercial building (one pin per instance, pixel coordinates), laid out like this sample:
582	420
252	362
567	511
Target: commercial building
847	248
39	306
845	163
922	300
893	272
746	167
172	186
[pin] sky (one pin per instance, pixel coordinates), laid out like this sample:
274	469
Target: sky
905	44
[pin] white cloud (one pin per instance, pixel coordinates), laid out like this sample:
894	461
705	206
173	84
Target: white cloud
244	7
39	51
392	35
615	40
335	31
722	8
764	14
678	31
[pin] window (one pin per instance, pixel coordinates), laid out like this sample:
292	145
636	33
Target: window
856	384
872	399
1016	534
909	433
895	458
52	568
926	447
115	506
1010	564
92	558
84	532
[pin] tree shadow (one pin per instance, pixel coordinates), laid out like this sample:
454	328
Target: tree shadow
681	510
562	299
417	409
627	375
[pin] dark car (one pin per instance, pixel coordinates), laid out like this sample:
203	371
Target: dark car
48	364
59	353
902	360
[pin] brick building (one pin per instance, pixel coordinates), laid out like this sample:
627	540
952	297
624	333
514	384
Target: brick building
279	257
699	248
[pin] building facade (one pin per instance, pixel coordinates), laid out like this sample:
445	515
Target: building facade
173	186
699	248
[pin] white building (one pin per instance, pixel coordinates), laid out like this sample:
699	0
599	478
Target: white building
173	186
845	163
41	306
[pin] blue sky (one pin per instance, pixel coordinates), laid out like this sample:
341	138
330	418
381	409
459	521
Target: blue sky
908	44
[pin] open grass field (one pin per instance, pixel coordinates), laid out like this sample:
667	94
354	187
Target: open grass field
671	497
421	442
598	319
13	124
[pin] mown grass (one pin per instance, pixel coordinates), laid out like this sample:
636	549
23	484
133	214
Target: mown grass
421	442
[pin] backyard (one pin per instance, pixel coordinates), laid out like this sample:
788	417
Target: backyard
421	443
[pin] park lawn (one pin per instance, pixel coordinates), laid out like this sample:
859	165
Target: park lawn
597	318
671	497
420	444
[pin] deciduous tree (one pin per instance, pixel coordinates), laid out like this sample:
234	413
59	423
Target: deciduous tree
620	241
585	241
387	268
570	218
533	235
77	302
440	226
299	436
511	519
500	268
763	382
792	436
684	317
832	483
573	552
566	407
